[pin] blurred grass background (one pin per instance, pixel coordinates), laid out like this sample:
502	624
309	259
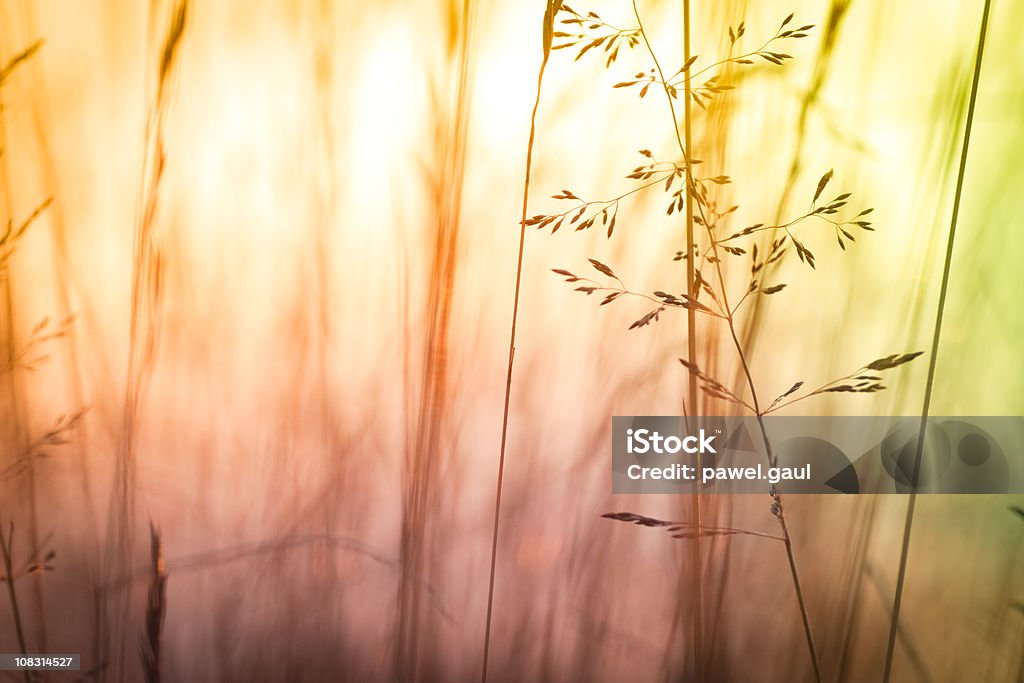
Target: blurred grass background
317	430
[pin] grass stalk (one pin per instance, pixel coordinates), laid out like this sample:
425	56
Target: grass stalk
933	358
778	508
549	18
15	402
5	548
421	497
854	596
691	355
730	320
61	258
146	296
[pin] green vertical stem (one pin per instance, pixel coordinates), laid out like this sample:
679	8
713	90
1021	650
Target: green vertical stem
912	503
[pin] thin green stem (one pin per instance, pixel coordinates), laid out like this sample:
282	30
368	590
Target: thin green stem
929	383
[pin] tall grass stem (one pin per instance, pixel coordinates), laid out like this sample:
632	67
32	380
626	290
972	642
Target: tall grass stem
908	523
5	548
691	355
549	19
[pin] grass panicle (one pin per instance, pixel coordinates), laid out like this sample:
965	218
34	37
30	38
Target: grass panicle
6	549
699	199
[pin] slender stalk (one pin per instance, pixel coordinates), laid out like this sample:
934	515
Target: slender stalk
144	319
5	548
691	354
424	462
812	651
788	541
858	571
14	400
683	149
929	383
691	342
780	514
549	19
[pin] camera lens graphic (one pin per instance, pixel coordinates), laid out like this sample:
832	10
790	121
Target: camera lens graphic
899	450
980	465
957	457
973	450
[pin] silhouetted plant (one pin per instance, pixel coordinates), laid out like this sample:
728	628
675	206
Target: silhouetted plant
10	575
12	234
38	561
18	59
547	40
56	435
27	357
30	355
697	198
